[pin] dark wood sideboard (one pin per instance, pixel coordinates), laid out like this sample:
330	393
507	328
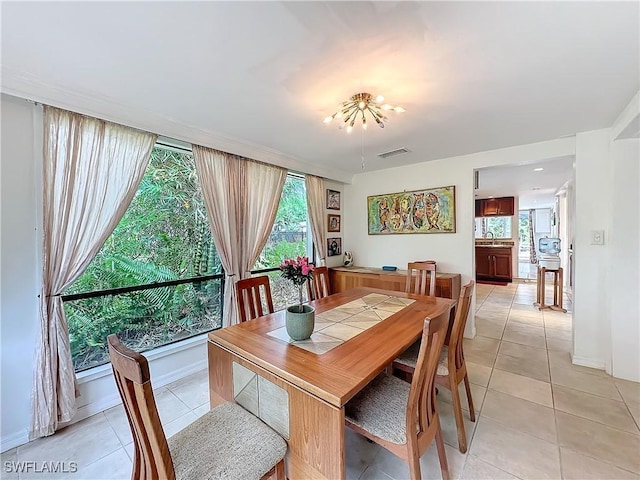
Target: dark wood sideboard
344	278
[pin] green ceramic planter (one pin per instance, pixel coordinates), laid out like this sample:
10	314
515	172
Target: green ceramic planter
300	324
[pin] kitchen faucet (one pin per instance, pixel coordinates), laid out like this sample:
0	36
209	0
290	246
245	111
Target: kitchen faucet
486	235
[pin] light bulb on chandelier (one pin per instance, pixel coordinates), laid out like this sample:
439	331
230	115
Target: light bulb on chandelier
358	105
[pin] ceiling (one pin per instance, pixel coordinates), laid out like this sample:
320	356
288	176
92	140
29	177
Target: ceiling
258	78
535	189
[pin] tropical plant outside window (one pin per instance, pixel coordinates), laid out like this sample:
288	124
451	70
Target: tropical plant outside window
500	227
158	278
523	232
288	239
164	237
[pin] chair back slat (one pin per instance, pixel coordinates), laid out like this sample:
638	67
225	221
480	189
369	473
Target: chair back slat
152	459
421	406
423	281
250	297
459	324
319	286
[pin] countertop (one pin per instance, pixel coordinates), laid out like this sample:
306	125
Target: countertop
487	242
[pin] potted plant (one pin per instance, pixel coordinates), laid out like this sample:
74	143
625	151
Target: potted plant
300	318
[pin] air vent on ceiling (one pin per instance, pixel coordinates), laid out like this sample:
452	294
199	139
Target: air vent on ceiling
391	153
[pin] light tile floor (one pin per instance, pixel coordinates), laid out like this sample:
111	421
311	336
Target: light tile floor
538	416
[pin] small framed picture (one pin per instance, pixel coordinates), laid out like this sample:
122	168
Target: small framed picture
333	223
334	246
333	199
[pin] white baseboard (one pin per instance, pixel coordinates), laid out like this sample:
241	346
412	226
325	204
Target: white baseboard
162	380
588	362
7	442
90	409
104	374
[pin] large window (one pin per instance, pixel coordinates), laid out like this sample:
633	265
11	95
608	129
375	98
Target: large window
158	277
289	238
493	227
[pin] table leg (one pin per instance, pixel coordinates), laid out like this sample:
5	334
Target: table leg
316	428
560	287
539	282
543	275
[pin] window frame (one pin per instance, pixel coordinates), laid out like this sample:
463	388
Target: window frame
508	225
180	148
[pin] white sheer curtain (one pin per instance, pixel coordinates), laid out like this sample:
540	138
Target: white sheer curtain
263	186
241	197
91	172
315	207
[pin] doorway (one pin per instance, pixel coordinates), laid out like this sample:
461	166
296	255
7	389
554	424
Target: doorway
526	270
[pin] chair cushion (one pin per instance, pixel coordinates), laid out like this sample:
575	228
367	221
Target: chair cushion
410	356
381	408
226	443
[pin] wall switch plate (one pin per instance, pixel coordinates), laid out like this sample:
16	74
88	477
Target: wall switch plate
597	237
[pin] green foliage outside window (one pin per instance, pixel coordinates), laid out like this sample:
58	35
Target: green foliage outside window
288	237
500	227
163	236
523	231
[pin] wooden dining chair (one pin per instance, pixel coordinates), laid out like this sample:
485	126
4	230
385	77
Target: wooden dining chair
319	286
250	299
227	442
419	285
452	368
401	417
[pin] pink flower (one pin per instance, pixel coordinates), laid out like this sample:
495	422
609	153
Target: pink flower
298	271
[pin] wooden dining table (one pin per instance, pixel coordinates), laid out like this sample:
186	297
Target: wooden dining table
301	388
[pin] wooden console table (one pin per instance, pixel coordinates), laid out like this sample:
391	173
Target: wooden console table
344	278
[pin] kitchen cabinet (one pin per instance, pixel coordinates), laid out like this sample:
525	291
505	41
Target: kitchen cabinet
493	263
495	207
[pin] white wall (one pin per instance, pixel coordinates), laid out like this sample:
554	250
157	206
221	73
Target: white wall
19	265
169	363
624	260
563	206
593	182
453	252
605	283
335	260
20	277
571	228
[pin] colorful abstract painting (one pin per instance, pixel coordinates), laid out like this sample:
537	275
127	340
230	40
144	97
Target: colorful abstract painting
421	211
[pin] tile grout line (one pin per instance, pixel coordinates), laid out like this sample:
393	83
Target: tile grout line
553	400
626	404
472	436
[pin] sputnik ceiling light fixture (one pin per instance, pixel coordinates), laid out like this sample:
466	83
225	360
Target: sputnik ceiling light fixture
356	107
